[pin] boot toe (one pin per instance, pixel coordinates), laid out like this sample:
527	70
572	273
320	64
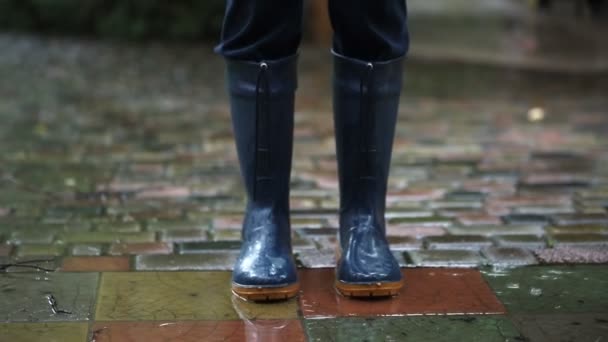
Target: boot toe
258	270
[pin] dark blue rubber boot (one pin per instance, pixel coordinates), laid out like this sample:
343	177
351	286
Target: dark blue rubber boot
366	101
262	107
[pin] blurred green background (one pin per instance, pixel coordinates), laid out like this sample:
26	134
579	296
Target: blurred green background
127	19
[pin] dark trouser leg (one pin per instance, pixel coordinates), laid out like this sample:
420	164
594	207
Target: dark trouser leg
256	30
369	44
259	42
370	30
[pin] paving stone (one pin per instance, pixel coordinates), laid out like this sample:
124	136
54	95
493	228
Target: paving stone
175	225
59	331
30	293
197	262
404	243
508	256
227	235
31	236
434	291
526	219
445	258
424	328
417	232
29	250
562	327
555	289
86	249
579	240
478	219
157	296
491	230
184	236
416	222
124	227
95	264
574	219
253	330
573	255
578	229
521	241
471	242
207	246
316	258
5	250
107	237
140	248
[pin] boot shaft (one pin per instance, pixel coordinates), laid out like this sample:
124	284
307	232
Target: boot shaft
262	106
366	100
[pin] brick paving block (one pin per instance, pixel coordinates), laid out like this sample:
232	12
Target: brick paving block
573	255
312	223
415	195
59	331
400	210
544	210
31	295
574	219
579	240
178	236
227	222
416	232
416	222
86	249
30	250
107	237
562	327
445	258
521	241
31	236
253	330
526	219
95	264
577	229
470	242
478	219
551	289
300	243
491	230
427	291
316	258
404	243
423	328
5	250
140	248
197	262
179	296
227	235
508	256
176	225
207	246
124	227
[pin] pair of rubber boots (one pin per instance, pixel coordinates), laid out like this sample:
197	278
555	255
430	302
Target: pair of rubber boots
366	99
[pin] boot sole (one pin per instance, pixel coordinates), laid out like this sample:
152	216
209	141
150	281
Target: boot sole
266	294
369	290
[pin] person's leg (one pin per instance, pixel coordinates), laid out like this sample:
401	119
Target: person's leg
370	30
256	30
369	44
259	41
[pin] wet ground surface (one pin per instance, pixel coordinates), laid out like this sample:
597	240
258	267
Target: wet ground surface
120	201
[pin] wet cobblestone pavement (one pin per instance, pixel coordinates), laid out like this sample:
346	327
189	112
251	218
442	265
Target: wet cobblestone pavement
117	164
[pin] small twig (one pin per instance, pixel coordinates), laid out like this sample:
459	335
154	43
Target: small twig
54	307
